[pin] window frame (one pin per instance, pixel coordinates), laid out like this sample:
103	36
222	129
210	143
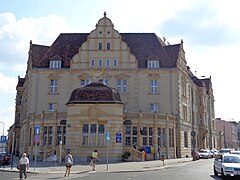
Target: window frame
115	62
108	63
92	63
153	64
153	86
55	64
53	89
122	85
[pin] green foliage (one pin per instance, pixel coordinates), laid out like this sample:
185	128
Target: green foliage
126	155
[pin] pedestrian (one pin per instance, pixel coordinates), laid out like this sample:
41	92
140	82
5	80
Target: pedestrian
54	158
23	165
94	159
68	163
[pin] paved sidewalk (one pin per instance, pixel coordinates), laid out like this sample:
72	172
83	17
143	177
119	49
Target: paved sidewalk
49	167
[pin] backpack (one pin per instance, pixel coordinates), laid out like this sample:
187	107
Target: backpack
69	161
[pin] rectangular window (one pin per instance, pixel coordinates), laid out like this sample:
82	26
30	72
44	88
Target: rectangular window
171	137
99	46
93	129
115	62
128	136
154	107
108	63
134	135
153	86
108	46
47	135
122	86
53	86
100	62
150	136
61	134
55	64
153	64
92	63
93	135
84	82
145	136
52	107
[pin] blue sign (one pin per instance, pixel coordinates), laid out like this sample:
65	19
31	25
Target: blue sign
118	137
3	139
107	136
37	129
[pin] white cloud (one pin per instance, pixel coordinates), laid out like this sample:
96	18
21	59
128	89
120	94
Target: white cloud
16	34
7	84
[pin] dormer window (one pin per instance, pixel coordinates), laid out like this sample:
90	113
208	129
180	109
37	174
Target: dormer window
153	64
56	64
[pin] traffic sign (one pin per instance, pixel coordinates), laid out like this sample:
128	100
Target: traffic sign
107	136
3	139
118	137
37	138
37	129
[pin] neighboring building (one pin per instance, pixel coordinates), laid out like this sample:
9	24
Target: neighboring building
157	104
238	134
227	133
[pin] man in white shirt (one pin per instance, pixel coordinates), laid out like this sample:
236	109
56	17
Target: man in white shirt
23	165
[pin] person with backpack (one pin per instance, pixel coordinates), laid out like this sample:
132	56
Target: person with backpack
94	159
68	163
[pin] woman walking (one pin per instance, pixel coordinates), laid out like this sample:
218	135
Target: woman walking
23	164
68	162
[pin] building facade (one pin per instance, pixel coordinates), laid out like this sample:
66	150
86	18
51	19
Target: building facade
164	108
228	135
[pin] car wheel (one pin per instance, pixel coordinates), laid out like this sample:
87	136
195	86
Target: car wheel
215	172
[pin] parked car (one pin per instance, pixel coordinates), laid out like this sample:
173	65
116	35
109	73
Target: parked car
224	151
214	153
5	159
204	154
235	152
227	165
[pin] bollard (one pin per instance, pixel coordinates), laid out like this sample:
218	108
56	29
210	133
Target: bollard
162	159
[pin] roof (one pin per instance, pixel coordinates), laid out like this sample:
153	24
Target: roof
142	45
95	92
20	81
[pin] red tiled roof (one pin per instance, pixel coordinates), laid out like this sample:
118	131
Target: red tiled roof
142	45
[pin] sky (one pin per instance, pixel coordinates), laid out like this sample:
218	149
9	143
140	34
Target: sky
209	29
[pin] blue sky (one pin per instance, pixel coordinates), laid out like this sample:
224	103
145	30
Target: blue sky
209	28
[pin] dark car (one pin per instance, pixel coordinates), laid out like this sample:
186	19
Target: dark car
195	155
5	159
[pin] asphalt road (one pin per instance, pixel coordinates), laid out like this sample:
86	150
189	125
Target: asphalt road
194	170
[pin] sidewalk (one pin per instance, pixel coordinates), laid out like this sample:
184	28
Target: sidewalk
49	167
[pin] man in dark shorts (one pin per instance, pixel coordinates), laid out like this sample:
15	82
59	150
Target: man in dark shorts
68	163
